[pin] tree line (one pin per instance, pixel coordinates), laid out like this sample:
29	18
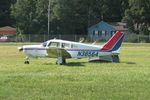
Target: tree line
73	16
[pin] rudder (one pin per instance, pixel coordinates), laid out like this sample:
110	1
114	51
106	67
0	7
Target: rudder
114	43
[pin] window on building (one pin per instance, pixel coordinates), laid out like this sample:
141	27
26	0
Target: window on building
96	32
103	33
112	33
99	33
93	33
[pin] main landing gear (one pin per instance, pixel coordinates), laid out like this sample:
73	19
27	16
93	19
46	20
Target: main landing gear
27	60
60	61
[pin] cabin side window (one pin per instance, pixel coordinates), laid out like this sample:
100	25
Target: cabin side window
65	45
54	44
74	46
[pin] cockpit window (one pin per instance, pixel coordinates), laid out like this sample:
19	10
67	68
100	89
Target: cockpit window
54	44
44	44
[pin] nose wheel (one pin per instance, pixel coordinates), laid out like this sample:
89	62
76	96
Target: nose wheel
27	60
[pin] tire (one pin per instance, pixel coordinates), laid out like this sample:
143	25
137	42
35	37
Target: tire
64	61
26	62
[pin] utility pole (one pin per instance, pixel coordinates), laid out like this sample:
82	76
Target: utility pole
48	17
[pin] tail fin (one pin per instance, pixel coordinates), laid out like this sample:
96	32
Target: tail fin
114	43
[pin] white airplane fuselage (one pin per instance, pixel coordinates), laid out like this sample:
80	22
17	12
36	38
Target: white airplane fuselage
79	50
62	49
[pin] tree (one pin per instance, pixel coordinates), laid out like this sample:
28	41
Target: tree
5	17
137	16
66	17
24	11
70	16
113	11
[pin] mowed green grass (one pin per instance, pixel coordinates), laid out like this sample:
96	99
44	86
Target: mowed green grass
78	80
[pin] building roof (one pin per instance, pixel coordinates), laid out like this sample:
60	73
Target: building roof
119	26
102	25
7	30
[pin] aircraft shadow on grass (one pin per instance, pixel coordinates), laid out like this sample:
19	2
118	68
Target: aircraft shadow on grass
70	64
113	62
82	64
75	64
131	63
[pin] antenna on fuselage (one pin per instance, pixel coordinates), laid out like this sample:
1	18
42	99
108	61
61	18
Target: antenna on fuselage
81	40
94	43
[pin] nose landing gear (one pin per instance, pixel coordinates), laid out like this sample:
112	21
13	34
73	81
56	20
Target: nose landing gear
27	60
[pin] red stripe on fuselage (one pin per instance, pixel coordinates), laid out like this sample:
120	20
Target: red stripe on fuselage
111	43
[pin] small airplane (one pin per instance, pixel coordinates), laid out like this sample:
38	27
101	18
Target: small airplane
63	50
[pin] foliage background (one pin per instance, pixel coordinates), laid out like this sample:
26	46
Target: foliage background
73	16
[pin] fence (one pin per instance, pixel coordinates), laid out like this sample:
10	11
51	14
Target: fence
41	38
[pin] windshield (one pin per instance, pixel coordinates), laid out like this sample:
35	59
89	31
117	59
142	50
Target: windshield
44	44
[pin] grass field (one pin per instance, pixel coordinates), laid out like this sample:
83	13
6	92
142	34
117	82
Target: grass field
78	80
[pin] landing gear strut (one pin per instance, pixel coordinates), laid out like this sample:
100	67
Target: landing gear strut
60	61
26	60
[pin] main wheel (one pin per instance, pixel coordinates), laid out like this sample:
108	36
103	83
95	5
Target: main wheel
64	61
60	61
26	62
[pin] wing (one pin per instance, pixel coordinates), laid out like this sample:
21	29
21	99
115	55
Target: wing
54	52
